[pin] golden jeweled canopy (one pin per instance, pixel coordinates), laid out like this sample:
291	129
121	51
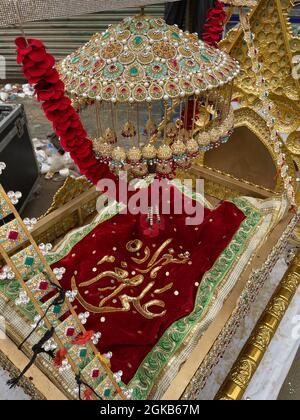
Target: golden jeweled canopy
174	90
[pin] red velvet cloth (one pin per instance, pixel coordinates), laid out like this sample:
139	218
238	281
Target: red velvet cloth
129	335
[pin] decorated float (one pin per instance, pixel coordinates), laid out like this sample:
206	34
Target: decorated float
144	306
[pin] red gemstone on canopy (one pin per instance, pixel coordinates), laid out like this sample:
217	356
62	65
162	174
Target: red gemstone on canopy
13	235
43	285
70	331
95	373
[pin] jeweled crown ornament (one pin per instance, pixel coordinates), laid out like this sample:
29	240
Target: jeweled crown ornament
160	95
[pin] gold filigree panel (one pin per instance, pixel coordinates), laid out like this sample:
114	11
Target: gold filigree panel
276	45
72	188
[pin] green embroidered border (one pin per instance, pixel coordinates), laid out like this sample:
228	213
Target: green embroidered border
174	336
11	289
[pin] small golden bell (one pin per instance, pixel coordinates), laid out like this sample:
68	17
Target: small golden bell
129	130
110	136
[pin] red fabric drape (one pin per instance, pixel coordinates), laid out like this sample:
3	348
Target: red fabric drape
129	335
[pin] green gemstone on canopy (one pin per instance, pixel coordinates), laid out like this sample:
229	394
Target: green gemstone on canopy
175	35
29	261
106	392
134	71
75	60
138	40
106	35
205	58
82	352
57	309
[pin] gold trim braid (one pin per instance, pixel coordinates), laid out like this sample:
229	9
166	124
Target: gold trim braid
253	352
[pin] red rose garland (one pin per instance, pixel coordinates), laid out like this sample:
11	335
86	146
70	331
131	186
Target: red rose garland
38	68
213	28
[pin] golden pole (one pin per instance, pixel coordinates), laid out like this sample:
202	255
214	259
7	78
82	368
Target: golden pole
194	116
244	368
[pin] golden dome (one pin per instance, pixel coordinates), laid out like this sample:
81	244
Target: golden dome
178	147
149	151
118	154
164	152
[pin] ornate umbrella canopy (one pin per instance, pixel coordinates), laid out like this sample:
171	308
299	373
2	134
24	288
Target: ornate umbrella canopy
144	67
144	59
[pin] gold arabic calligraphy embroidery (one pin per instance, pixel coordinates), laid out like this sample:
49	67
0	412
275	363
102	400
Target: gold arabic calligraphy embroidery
153	266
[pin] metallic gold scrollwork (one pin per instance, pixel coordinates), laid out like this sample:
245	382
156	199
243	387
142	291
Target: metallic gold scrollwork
242	372
144	259
164	260
273	36
159	251
106	258
163	289
143	309
154	272
118	274
122	277
134	246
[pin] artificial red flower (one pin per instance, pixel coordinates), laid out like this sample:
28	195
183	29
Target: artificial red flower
38	67
20	42
52	76
37	54
154	230
36	43
151	231
27	63
213	28
47	63
25	51
35	71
